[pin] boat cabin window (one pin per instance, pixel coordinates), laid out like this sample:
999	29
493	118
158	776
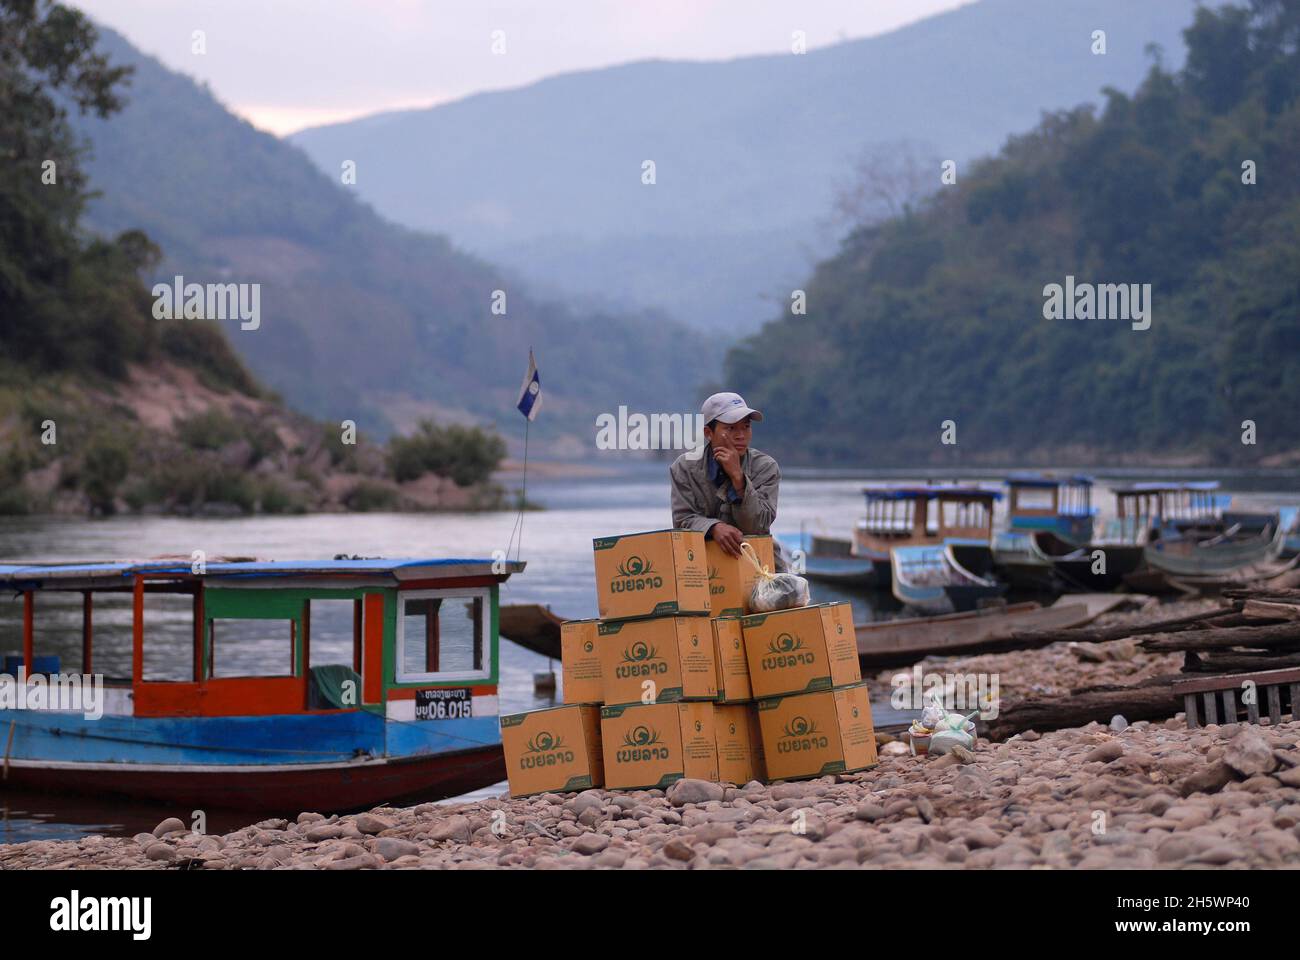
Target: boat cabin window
169	636
247	647
1034	498
335	629
441	635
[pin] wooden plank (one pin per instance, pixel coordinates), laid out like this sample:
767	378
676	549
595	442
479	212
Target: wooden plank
1268	610
1189	708
1252	706
1234	680
1295	701
1211	708
1230	706
1274	706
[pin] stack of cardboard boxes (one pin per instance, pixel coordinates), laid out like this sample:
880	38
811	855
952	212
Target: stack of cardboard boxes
677	679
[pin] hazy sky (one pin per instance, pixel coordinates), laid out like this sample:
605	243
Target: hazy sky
288	64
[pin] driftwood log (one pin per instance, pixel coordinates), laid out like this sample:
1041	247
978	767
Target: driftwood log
1153	699
1271	636
1234	661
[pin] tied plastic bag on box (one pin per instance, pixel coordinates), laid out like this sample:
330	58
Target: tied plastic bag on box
774	591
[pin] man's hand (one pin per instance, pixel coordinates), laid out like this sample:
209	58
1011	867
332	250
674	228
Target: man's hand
727	537
729	461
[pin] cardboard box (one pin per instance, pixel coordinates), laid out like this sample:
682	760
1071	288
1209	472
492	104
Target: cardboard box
813	734
653	745
730	578
740	743
729	656
804	648
556	749
675	654
580	662
651	574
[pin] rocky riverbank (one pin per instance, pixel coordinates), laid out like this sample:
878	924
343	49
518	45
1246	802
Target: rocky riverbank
1146	795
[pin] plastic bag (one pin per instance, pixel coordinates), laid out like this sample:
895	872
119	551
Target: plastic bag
953	731
774	591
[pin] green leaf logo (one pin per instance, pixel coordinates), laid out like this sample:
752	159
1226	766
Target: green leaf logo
784	643
641	737
634	566
544	742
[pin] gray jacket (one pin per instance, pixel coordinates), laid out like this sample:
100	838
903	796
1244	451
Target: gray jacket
698	503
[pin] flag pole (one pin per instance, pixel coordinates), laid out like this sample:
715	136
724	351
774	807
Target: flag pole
523	493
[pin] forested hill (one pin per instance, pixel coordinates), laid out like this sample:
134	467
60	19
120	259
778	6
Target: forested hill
361	319
1192	185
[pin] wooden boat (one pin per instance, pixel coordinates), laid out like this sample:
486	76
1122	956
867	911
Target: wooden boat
1226	553
1019	566
533	627
897	643
259	726
1076	567
1058	505
915	516
829	560
1174	507
933	580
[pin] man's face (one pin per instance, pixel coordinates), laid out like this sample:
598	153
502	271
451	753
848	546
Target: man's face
734	435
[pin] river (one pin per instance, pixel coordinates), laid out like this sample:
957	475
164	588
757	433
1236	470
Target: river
556	543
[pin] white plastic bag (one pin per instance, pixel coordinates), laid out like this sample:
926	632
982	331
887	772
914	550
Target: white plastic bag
953	731
774	591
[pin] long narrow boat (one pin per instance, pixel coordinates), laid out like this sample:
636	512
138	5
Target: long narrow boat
898	643
1017	563
931	579
224	706
533	627
1093	568
1217	556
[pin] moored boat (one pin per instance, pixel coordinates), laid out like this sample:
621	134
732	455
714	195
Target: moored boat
927	515
901	642
1061	506
533	627
932	580
829	560
1092	568
224	706
1020	566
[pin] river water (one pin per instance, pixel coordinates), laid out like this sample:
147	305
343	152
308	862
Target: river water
556	543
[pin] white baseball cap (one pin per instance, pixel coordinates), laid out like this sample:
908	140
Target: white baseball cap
727	407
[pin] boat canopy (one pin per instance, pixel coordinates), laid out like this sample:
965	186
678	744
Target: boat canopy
930	492
1161	486
340	571
1047	480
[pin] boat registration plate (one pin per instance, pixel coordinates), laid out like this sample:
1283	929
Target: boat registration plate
444	703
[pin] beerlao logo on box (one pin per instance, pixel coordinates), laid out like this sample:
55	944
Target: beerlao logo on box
640	660
544	749
716	586
642	744
787	650
800	734
635	573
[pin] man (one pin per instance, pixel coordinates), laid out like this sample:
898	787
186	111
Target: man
732	489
